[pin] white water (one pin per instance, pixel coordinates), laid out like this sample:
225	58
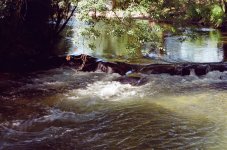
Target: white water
62	108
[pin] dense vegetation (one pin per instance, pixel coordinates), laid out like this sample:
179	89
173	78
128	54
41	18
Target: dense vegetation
30	28
205	12
119	17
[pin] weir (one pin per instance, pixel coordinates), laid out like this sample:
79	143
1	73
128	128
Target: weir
94	64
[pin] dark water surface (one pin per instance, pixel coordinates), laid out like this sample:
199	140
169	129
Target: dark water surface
65	109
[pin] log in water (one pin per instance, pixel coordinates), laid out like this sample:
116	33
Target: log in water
94	64
91	64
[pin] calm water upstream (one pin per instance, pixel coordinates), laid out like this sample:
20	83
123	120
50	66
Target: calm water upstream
210	45
66	109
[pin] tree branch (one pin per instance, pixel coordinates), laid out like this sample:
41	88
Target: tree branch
66	21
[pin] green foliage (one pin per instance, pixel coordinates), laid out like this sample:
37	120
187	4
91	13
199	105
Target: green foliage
85	7
197	12
208	14
217	15
31	27
177	12
47	18
90	32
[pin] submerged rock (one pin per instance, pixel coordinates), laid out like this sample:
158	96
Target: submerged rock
202	69
133	79
223	77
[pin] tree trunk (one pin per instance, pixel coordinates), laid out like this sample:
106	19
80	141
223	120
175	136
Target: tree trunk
66	21
114	4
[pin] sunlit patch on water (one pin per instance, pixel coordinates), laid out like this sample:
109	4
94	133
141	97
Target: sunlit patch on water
65	109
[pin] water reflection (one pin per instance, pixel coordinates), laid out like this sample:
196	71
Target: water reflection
224	45
106	46
208	46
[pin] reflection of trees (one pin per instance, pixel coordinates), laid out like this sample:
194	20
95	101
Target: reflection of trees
107	46
224	45
224	51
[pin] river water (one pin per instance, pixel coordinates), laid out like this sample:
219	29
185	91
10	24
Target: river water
67	109
195	45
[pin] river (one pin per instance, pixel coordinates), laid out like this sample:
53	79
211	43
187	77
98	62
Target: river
196	45
63	108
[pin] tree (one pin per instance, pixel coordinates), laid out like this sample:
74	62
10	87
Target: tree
30	27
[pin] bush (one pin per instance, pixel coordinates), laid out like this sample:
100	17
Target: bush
217	15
